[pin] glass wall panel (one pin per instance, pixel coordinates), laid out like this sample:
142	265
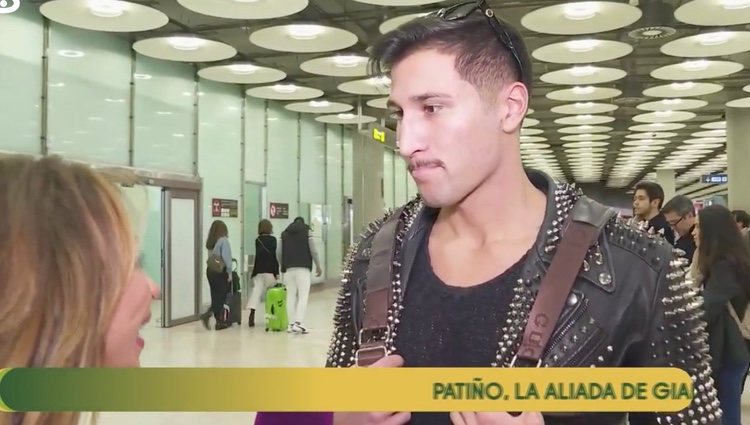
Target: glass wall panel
21	82
255	140
164	115
283	167
89	95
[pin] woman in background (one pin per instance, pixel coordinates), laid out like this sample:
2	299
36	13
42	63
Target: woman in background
266	268
74	294
724	264
220	276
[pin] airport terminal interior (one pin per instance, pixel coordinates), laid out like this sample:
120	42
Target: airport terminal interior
243	110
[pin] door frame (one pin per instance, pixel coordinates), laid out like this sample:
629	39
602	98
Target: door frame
167	195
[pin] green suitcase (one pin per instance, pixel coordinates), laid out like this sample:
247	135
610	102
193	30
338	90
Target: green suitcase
276	316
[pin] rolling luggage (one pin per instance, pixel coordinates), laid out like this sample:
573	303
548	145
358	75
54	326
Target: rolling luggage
233	303
276	317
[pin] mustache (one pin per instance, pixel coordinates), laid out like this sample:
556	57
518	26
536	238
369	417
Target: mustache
418	163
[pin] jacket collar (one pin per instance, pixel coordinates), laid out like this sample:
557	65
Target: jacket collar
560	198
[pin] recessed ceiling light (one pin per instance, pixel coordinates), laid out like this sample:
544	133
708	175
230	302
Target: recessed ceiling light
142	76
582	71
242	68
584	105
671	101
178	135
114	100
346	116
582	46
56	85
71	53
186	43
584	117
581	11
663	114
714	38
695	66
682	86
163	113
107	8
96	119
735	4
285	88
379	81
305	31
583	90
348	61
320	103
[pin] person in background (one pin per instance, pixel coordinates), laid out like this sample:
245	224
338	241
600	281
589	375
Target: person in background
724	263
298	253
680	215
266	268
74	295
647	202
220	282
742	218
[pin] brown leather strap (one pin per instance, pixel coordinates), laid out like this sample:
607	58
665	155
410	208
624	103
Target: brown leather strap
554	289
378	293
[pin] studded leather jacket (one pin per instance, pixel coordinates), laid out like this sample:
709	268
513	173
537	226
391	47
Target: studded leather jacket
632	304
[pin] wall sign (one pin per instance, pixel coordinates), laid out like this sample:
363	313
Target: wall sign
278	210
378	135
224	208
715	178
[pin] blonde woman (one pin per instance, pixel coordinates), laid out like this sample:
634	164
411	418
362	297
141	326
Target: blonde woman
68	259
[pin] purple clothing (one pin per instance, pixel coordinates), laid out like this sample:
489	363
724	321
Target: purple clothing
271	418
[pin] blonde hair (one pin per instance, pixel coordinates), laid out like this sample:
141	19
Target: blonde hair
66	253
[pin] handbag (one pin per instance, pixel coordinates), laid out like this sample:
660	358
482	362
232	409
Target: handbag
743	324
215	263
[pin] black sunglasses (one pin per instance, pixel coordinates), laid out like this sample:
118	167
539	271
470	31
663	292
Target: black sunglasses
463	10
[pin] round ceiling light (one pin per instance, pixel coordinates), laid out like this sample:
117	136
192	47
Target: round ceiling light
242	73
586	129
337	66
346	119
739	103
584	108
683	89
658	127
651	135
583	75
718	125
394	23
104	15
284	92
303	38
696	69
717	43
582	17
583	93
319	107
673	104
245	9
664	117
714	12
184	49
582	51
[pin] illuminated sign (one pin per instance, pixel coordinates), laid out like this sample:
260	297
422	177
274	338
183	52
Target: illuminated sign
378	135
715	178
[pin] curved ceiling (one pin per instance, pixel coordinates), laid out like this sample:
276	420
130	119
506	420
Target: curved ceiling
661	70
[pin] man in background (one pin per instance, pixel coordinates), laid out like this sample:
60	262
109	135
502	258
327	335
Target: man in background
647	203
743	221
680	215
298	253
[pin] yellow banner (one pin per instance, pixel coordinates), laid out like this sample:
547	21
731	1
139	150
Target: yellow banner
355	389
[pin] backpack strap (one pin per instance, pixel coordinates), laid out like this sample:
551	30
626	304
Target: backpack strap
378	294
586	220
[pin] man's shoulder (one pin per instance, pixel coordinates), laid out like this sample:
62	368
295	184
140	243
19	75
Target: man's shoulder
361	249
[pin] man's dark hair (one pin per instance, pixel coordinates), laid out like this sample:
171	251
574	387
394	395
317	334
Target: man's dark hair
742	217
680	205
481	58
653	191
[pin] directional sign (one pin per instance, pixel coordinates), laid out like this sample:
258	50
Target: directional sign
715	178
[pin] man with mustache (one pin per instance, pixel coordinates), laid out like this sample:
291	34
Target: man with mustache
452	278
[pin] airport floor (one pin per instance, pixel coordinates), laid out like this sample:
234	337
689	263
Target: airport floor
192	346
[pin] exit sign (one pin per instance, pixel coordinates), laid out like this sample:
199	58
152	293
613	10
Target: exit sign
378	135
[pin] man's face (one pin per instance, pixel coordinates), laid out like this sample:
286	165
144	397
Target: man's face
680	224
449	137
642	205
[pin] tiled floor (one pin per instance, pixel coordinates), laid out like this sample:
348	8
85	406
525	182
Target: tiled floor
191	345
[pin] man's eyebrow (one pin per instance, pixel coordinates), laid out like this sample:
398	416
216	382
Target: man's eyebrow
418	98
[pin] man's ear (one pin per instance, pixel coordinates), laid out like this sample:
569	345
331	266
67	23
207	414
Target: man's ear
515	100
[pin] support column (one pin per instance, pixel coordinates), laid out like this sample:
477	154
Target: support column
368	180
738	151
666	180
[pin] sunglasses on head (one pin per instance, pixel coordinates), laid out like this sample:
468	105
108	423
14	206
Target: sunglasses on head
500	28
